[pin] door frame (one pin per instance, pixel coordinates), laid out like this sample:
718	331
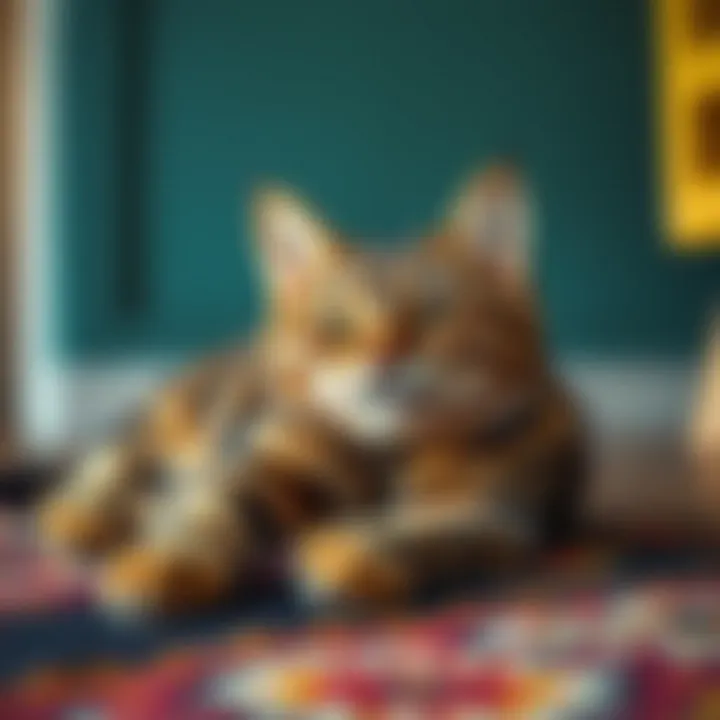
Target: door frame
11	18
35	374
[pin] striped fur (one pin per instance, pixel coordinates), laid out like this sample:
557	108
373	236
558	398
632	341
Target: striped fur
396	423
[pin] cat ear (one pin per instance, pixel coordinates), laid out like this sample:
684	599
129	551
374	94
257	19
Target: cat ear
491	217
295	246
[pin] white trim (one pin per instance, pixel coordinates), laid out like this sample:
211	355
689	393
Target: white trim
617	396
41	382
634	395
100	396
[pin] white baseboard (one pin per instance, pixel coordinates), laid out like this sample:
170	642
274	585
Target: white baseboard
618	397
634	395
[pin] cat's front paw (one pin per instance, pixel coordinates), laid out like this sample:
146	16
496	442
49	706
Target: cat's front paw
91	512
343	567
148	580
77	528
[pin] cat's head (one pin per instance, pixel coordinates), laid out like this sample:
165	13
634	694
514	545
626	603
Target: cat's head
384	344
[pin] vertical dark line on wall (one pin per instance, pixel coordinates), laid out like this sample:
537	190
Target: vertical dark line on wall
132	259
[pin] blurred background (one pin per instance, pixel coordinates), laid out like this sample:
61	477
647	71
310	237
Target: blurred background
133	131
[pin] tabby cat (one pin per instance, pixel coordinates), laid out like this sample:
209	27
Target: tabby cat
396	423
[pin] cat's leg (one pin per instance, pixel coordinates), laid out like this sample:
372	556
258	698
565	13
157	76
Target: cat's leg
389	558
280	476
189	554
458	511
93	509
205	536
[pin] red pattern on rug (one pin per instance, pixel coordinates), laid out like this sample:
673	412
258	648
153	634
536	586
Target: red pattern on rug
645	651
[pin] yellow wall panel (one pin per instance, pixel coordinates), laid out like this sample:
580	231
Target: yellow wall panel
688	69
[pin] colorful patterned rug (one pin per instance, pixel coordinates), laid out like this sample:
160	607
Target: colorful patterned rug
32	580
605	642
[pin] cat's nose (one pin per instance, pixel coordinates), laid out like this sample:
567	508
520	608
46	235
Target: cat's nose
391	381
408	382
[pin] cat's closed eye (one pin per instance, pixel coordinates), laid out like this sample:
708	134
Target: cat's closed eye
334	329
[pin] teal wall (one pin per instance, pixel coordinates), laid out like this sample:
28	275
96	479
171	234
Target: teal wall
172	109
